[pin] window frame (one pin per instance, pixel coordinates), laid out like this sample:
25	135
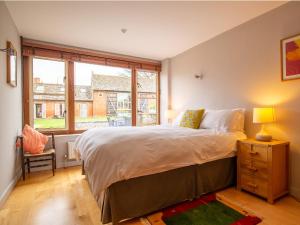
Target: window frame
157	93
36	49
31	94
131	93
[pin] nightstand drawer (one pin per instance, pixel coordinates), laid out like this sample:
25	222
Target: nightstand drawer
254	185
262	167
255	168
258	152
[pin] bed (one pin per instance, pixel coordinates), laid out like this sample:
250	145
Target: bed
133	171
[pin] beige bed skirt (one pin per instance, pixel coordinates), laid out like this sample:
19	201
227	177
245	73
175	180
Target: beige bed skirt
143	195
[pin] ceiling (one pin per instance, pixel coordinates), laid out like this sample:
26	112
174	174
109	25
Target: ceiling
155	30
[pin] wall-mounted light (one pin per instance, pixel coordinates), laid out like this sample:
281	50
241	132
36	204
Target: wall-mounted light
9	51
199	76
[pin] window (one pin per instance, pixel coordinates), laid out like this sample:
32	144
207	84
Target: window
39	111
83	110
147	98
103	90
69	90
48	93
59	110
40	88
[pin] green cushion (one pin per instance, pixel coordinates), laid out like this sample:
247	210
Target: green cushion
192	118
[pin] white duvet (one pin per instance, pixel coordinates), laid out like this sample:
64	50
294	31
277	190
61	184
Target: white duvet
114	154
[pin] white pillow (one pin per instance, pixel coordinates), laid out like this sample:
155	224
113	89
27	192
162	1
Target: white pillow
230	120
177	120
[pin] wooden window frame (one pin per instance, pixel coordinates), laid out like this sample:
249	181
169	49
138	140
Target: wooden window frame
157	92
50	51
30	95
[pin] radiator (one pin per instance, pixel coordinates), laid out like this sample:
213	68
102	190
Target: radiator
71	151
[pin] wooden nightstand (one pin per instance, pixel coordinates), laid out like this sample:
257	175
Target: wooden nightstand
262	168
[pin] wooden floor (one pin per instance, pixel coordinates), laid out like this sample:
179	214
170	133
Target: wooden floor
65	199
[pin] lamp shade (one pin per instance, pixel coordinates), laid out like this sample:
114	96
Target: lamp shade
263	115
170	114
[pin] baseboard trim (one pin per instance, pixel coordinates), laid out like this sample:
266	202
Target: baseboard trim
68	164
4	196
295	192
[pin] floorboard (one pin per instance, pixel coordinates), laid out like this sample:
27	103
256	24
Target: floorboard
66	199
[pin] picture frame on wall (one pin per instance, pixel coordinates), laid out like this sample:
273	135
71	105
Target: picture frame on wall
11	64
290	57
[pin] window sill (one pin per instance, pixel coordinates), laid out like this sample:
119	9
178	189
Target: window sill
67	132
60	132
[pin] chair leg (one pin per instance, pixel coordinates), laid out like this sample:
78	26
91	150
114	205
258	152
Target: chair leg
28	165
54	161
53	164
23	168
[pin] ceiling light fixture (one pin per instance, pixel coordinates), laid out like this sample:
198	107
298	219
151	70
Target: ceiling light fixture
123	30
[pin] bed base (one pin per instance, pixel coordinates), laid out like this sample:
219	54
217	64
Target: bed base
144	195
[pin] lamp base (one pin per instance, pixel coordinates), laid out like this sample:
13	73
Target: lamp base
263	137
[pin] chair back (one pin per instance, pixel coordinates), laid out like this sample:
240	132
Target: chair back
49	145
51	142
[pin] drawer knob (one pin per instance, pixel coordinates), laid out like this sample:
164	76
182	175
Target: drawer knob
252	168
252	185
253	153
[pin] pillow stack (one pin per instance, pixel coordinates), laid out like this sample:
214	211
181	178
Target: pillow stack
229	120
226	120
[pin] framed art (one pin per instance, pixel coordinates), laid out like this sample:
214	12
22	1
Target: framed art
290	57
11	64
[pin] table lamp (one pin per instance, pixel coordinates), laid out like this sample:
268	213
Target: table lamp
263	116
170	115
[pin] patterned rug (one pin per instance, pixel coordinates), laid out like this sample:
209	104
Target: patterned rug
206	210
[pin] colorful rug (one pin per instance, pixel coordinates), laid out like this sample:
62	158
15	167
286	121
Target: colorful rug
206	210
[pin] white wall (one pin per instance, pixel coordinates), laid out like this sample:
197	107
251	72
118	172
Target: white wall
164	91
242	68
10	107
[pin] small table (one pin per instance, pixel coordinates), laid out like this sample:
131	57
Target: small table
262	168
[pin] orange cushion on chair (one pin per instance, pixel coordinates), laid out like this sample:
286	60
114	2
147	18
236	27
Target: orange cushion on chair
34	141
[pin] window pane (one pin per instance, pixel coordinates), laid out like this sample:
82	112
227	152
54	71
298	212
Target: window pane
49	94
102	96
147	98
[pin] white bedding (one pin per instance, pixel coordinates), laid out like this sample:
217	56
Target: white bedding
114	154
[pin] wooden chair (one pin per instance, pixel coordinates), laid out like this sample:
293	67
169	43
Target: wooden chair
47	155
